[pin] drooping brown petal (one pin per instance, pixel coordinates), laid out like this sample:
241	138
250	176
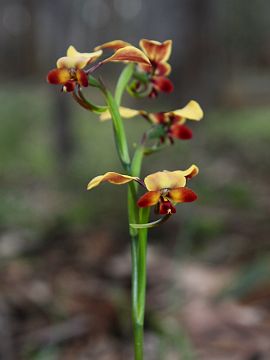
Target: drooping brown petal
182	194
81	77
128	54
166	207
163	69
161	83
156	51
113	45
149	199
69	86
112	177
180	132
58	76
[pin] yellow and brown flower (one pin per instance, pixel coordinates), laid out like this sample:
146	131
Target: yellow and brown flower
165	188
69	71
172	122
158	53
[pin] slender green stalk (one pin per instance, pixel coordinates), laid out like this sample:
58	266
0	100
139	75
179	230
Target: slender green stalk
139	267
123	82
136	216
119	131
142	252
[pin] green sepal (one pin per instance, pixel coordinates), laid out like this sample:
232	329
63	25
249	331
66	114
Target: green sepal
89	105
151	224
143	77
92	81
156	131
154	149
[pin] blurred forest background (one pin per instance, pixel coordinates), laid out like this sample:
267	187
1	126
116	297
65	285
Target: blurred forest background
65	265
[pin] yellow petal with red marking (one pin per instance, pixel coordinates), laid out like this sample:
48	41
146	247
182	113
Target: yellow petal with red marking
156	51
182	194
58	76
125	112
192	111
165	180
111	177
128	54
149	199
75	59
113	45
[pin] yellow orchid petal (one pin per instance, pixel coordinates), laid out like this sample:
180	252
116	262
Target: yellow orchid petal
192	111
165	180
157	51
111	177
72	52
113	45
128	54
75	59
125	112
192	171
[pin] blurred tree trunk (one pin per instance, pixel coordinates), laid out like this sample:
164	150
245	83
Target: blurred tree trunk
199	47
63	16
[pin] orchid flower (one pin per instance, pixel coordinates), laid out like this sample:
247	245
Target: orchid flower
172	122
158	53
69	71
165	188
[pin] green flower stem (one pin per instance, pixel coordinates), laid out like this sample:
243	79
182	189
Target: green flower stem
123	82
119	131
136	215
139	270
135	170
138	256
142	251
